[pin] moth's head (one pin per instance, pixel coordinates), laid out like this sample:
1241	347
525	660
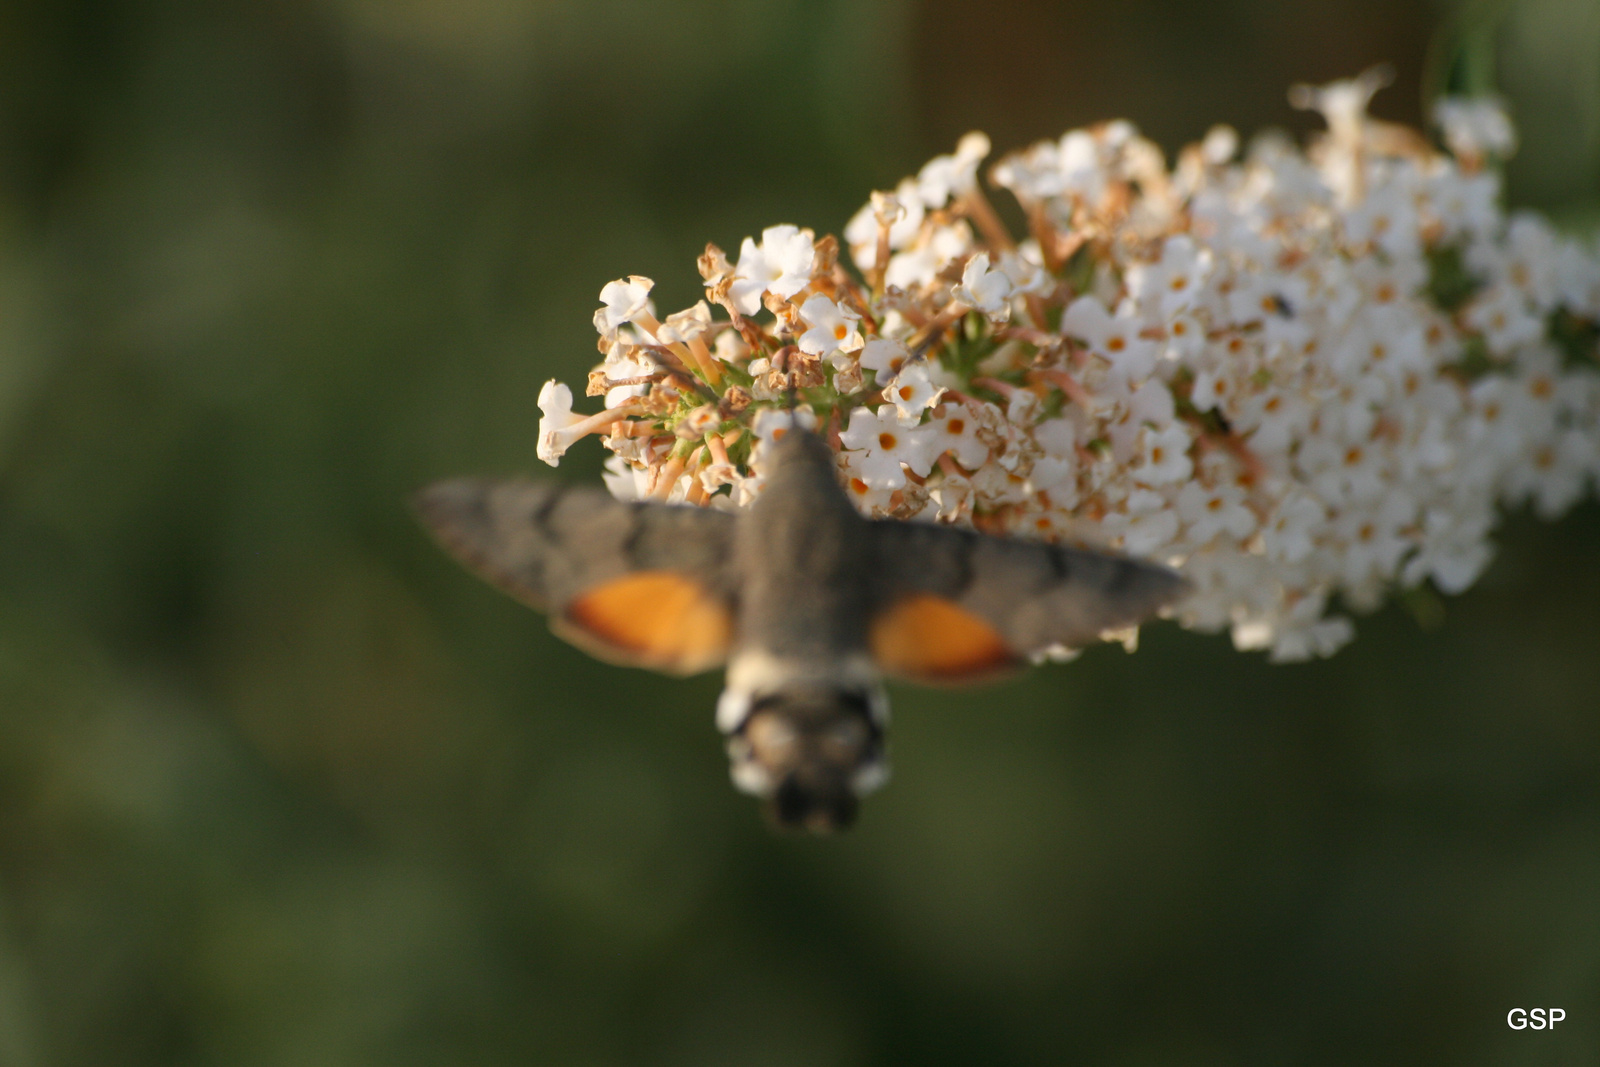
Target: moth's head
812	752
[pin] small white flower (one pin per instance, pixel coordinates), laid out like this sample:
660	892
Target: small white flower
884	445
1151	524
912	393
1343	103
952	497
832	327
1212	389
681	326
625	301
772	423
1506	319
870	497
781	264
1208	511
985	290
904	210
884	357
730	347
557	419
1177	281
945	176
770	426
625	481
1027	276
1290	534
919	266
1165	457
1114	339
1455	549
1221	144
1311	636
1387	219
954	429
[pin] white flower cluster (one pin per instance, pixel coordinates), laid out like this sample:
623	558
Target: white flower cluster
1296	376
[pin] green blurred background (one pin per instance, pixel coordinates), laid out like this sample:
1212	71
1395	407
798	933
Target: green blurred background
280	785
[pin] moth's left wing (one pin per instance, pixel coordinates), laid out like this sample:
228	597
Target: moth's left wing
960	605
645	585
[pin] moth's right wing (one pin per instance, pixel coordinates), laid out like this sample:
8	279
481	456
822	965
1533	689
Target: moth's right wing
645	585
960	605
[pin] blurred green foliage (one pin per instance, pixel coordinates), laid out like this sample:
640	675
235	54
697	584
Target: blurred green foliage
281	785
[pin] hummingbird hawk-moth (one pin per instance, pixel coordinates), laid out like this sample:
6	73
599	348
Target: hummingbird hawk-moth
808	603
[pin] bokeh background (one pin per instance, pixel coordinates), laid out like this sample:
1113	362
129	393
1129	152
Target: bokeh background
280	785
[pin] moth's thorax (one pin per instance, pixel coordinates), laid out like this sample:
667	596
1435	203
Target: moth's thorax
804	561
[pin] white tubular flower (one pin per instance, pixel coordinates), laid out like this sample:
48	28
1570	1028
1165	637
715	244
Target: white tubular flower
626	300
944	177
781	264
1343	104
624	481
985	290
905	212
1027	277
685	325
556	422
729	347
833	327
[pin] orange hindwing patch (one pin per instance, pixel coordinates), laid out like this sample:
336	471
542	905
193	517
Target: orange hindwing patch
658	619
930	639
